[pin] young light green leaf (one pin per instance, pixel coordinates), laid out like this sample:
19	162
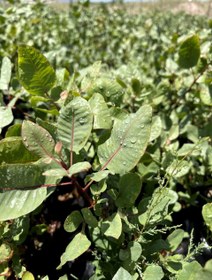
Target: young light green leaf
153	272
175	238
75	124
102	117
79	167
75	248
34	71
128	142
89	218
207	215
189	52
28	276
156	128
112	227
6	116
189	271
122	274
100	175
129	189
6	69
135	250
73	221
57	172
37	139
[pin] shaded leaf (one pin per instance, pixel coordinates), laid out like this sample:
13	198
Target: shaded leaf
207	215
12	150
189	52
112	227
73	221
129	189
89	218
102	117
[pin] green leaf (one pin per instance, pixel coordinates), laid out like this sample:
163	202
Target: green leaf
6	116
122	274
75	124
156	128
21	176
75	248
207	215
14	130
35	73
189	271
189	52
153	272
89	218
129	189
135	250
6	69
37	139
112	227
12	150
57	172
5	252
16	203
79	167
178	169
175	238
100	175
128	142
73	221
102	117
28	276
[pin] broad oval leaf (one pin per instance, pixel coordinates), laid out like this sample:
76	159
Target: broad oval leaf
79	167
75	124
12	150
6	116
153	272
37	139
16	203
75	248
6	69
73	221
20	176
112	227
89	218
35	73
189	52
207	215
129	189
122	274
102	117
128	142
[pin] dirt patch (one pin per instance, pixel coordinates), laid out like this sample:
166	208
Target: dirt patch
191	8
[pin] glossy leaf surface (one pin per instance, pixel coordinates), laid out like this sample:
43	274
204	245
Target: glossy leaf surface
75	124
128	142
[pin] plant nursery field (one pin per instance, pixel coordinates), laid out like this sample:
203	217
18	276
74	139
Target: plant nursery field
105	143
